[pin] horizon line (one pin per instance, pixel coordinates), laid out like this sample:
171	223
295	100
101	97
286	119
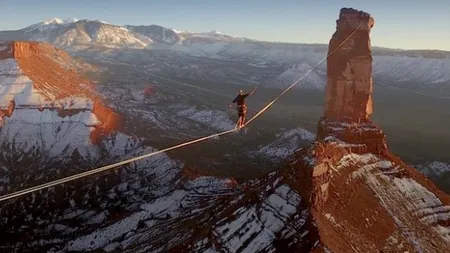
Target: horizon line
237	37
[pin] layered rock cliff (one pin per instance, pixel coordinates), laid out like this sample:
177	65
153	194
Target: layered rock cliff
37	77
50	117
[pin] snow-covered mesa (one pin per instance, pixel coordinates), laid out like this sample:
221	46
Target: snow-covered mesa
35	129
32	127
14	85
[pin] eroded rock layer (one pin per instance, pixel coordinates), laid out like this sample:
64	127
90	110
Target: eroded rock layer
37	76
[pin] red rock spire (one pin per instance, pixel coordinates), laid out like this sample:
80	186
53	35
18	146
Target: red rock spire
349	77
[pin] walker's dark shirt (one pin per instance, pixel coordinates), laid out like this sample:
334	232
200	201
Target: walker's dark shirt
240	99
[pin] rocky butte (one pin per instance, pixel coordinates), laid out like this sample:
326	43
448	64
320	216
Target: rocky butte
362	197
37	76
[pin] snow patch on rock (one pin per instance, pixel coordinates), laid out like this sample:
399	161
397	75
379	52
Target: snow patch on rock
418	203
286	143
218	120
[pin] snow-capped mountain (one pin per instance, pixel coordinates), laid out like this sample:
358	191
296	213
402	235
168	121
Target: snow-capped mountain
73	32
157	33
50	24
419	68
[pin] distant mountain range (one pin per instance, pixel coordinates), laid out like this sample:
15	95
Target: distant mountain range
253	62
74	32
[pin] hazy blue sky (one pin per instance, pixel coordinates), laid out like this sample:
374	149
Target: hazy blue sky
398	23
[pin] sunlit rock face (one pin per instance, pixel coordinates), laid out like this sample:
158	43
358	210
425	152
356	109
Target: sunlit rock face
349	76
353	184
36	80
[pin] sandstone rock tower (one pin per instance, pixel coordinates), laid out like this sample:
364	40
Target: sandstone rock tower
361	195
349	77
348	103
346	127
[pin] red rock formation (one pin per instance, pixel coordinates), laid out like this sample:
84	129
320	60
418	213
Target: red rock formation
111	121
362	197
8	111
349	77
47	67
348	103
26	49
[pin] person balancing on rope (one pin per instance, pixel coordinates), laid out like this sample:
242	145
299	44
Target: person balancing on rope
241	107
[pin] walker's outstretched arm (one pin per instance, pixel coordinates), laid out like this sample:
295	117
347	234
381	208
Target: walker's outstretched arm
253	91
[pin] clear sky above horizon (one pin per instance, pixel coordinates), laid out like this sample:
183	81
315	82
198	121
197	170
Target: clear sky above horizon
413	24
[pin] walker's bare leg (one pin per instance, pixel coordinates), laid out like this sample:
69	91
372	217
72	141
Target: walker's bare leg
243	121
238	124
